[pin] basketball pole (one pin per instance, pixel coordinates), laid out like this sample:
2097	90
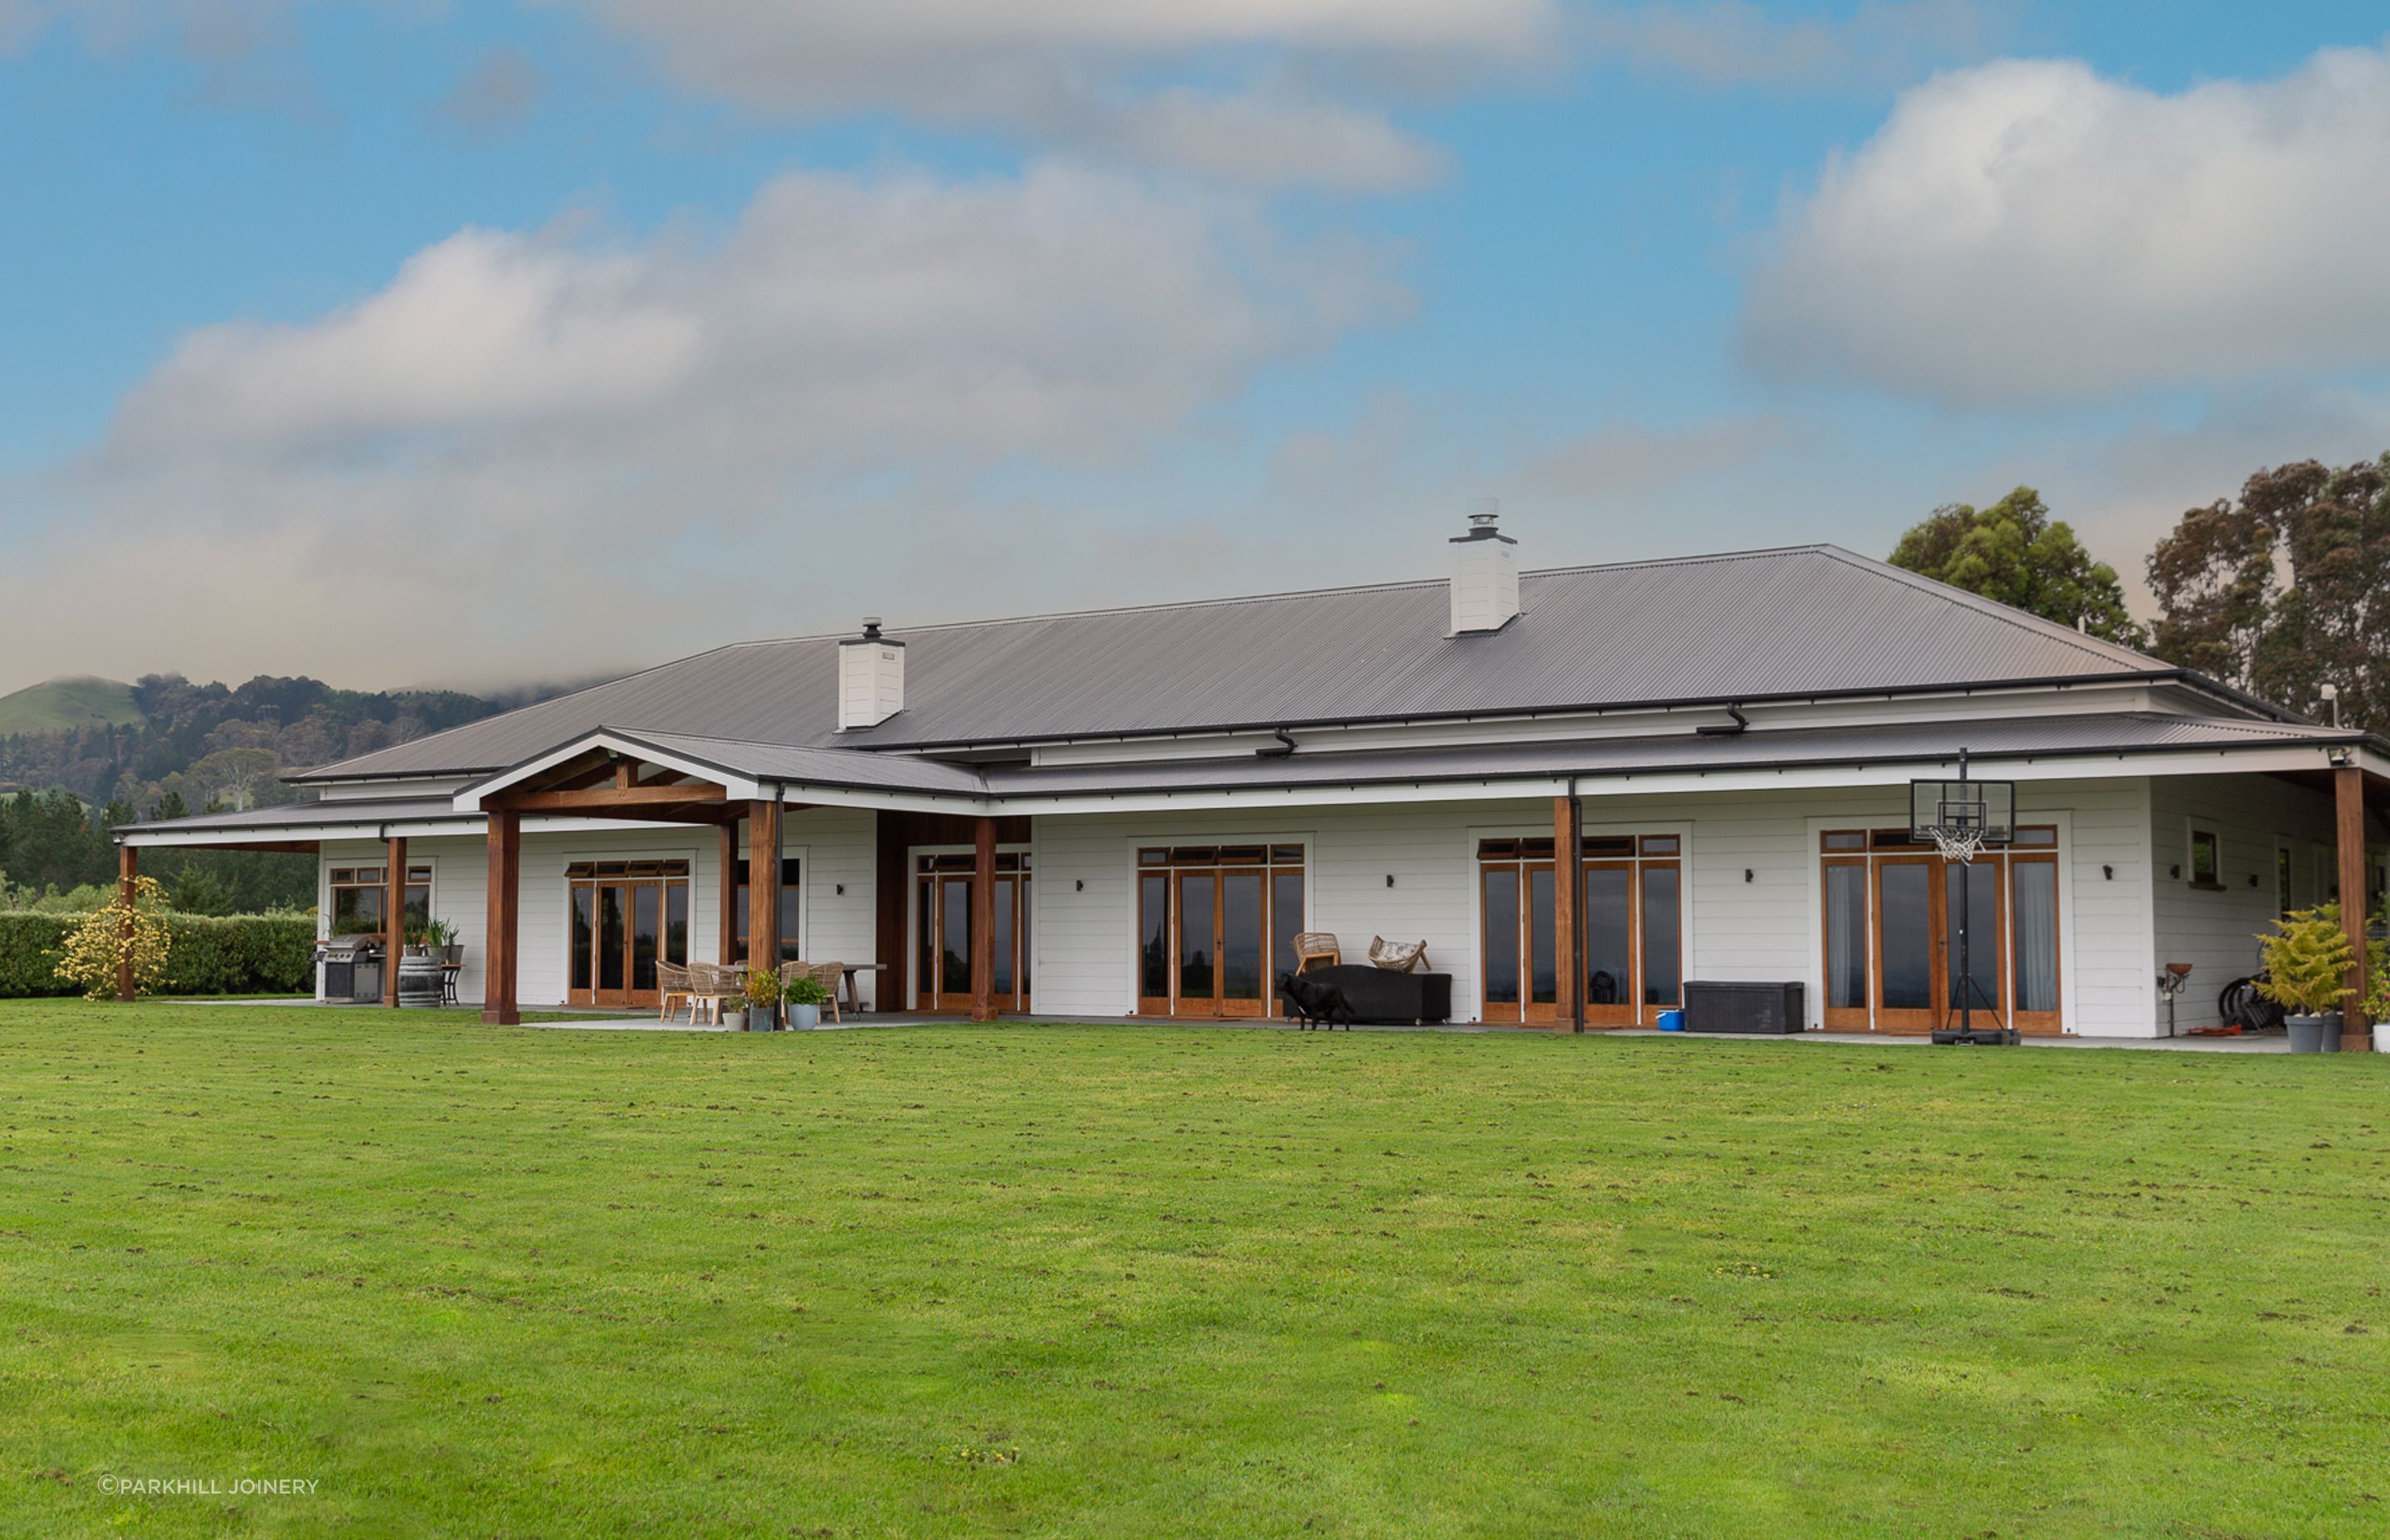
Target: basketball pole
1966	914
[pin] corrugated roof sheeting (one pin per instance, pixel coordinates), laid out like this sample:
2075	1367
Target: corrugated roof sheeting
840	767
1811	620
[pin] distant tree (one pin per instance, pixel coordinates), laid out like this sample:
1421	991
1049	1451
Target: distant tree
2014	552
236	777
2286	590
195	891
171	805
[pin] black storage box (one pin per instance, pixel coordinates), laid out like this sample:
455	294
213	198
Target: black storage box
1381	996
1767	1009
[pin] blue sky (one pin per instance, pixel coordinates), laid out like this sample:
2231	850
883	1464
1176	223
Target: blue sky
575	335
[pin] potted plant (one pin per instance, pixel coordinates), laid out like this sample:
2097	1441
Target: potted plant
805	995
418	941
2307	960
763	999
441	937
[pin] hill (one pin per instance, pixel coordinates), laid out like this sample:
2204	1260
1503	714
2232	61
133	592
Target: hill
56	705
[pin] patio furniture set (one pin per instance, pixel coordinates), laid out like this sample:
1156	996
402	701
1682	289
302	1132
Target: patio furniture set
706	989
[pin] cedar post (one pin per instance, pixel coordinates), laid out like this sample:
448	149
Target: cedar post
504	898
128	870
763	884
393	918
2348	803
727	953
1566	882
982	922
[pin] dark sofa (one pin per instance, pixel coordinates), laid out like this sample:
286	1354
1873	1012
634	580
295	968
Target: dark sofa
1387	998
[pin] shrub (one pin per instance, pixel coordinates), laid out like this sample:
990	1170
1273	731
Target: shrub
208	953
2306	960
125	944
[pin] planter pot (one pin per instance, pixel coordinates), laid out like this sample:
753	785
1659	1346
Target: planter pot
2382	1038
2314	1033
456	955
735	1020
803	1018
763	1018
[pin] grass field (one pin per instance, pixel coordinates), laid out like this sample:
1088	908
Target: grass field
1138	1282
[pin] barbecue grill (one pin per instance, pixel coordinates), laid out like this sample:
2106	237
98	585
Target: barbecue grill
353	968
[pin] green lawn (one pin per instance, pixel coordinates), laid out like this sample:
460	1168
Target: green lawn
1136	1281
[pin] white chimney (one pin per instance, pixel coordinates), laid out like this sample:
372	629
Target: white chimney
870	678
1484	573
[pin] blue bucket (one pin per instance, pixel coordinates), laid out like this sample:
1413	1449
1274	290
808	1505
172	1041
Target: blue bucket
1672	1020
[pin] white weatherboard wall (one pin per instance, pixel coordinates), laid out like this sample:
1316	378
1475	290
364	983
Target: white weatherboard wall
2216	931
834	846
1767	927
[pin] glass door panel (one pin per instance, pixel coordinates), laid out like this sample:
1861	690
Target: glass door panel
2033	923
1154	944
1286	922
1661	923
585	941
954	943
1846	947
1244	988
1006	970
1199	943
1611	989
613	929
1543	978
1983	919
1907	898
647	935
1500	907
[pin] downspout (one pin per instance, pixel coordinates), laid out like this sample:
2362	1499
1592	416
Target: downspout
1281	750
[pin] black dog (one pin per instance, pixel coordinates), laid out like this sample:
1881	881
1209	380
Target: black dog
1315	1005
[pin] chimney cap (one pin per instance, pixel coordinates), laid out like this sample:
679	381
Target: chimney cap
871	626
1484	517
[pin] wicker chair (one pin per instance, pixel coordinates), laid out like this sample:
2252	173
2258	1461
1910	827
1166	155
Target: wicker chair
1398	957
1311	946
711	984
672	991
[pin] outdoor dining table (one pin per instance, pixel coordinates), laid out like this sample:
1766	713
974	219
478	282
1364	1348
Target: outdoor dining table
847	974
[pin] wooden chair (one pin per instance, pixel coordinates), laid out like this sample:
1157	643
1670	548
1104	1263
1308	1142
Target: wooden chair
711	984
673	986
1312	946
1398	957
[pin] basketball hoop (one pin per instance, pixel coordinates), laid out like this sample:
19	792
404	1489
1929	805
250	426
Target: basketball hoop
1962	845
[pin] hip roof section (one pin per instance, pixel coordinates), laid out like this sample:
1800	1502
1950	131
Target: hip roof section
1804	620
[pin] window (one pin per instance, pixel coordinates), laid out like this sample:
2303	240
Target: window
790	949
2207	863
358	898
2283	880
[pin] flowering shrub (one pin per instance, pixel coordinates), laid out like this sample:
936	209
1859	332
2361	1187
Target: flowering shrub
134	932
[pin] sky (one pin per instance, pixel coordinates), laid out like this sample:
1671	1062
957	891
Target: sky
403	342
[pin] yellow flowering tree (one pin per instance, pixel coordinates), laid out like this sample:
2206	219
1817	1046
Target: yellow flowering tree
122	932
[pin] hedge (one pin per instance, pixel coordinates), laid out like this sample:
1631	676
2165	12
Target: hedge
212	955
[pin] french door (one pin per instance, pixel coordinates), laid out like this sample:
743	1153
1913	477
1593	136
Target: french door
1215	927
626	916
1630	942
1892	914
942	968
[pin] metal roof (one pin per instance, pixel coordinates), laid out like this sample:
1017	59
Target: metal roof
1789	623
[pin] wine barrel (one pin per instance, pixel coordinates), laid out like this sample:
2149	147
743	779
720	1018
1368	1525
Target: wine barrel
418	979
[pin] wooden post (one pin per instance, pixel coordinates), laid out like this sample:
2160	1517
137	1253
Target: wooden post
2348	803
394	918
128	871
763	884
727	953
1567	880
982	922
498	1007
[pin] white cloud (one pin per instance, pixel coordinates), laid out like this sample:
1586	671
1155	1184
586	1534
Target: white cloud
1736	43
2028	232
537	452
1081	73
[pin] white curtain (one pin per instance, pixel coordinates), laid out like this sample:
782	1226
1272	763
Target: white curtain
2035	886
